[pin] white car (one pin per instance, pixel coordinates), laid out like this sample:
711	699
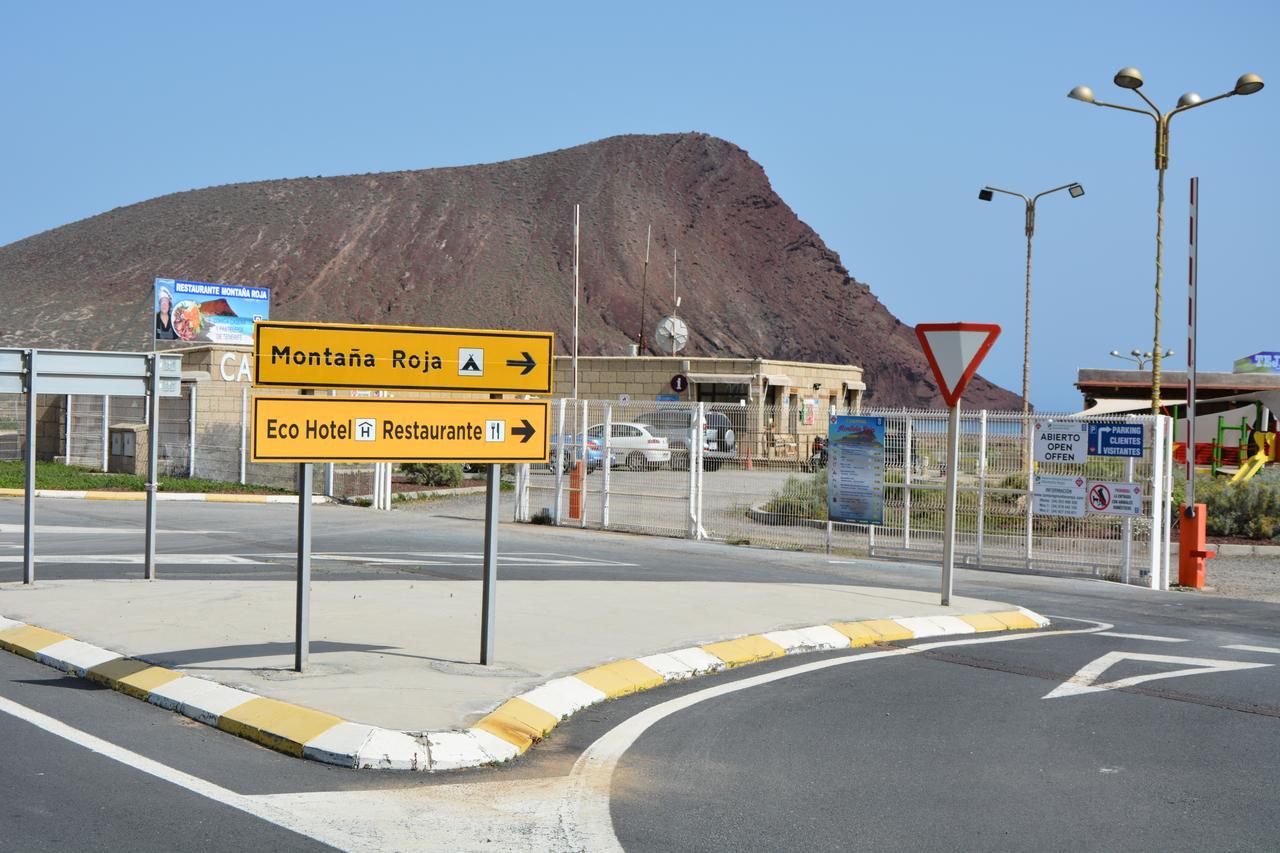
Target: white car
633	445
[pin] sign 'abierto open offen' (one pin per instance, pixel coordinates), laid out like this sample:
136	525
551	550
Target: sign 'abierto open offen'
324	429
335	355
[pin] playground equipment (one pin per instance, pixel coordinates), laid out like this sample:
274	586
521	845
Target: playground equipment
1268	445
1234	459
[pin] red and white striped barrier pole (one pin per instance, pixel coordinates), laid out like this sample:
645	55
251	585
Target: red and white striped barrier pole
1192	551
1191	349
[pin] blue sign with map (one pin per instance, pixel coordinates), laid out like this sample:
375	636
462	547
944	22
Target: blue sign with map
1117	440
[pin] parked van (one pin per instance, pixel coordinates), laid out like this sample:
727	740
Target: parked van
718	438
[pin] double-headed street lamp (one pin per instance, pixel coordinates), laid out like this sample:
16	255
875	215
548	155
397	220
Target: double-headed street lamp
1131	78
985	194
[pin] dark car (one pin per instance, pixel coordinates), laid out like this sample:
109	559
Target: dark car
718	438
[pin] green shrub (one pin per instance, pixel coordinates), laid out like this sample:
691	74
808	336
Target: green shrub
801	497
1247	510
446	475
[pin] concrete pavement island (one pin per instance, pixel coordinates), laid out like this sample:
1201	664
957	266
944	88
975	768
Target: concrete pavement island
389	689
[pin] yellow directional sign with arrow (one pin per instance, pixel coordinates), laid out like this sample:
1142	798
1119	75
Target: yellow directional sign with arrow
335	355
326	429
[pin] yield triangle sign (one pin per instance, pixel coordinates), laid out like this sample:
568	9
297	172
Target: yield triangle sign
1086	680
954	351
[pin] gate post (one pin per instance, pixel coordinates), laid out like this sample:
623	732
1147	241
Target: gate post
982	480
1128	527
106	437
699	533
906	482
585	458
558	461
1157	498
605	465
1168	501
1029	455
191	436
244	430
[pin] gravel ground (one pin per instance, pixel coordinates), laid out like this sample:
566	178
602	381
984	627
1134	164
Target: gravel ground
1256	578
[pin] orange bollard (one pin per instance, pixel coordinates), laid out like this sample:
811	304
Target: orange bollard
575	490
1191	548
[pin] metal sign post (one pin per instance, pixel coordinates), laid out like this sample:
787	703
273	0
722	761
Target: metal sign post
153	463
954	351
302	615
489	582
949	538
29	507
488	606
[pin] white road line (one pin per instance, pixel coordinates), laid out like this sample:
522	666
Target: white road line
256	806
1267	649
510	560
1085	681
136	559
1149	637
130	529
585	816
551	813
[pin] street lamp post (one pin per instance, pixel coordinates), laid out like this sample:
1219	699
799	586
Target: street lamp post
1141	358
1131	78
985	194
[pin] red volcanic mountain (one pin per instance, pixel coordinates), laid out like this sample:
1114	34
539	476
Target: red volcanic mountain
489	246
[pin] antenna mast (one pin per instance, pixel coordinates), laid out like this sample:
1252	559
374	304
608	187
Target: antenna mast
644	290
575	302
675	299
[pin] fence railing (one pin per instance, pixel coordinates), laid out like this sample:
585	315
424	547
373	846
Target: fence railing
77	429
771	493
733	472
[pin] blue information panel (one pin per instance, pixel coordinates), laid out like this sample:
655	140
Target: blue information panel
1116	440
855	469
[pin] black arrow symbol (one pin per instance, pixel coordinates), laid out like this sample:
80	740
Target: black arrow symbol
527	363
527	431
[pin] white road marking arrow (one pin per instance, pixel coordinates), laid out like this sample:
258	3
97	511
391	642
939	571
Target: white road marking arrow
1085	681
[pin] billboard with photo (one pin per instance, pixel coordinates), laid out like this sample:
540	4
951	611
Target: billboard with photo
198	311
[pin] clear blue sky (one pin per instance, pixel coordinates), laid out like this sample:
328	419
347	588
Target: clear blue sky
877	123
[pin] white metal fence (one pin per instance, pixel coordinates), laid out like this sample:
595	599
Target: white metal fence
751	480
762	488
76	428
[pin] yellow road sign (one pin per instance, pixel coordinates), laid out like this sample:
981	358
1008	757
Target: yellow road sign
335	355
325	429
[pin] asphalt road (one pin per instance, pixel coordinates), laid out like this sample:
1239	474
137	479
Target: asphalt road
956	747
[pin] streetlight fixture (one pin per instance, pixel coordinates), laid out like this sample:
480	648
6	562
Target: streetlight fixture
987	194
1141	358
1131	78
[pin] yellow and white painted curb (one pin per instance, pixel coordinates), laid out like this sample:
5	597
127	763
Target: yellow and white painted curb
192	497
501	735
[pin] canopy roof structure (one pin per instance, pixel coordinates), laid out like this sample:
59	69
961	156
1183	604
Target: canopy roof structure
1109	391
